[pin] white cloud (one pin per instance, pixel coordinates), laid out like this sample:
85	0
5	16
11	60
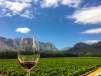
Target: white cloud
91	41
87	15
24	8
92	31
27	14
23	30
56	3
25	0
16	7
71	3
49	3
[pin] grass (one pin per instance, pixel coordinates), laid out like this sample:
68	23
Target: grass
66	66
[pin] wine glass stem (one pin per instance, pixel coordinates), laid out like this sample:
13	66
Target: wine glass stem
28	72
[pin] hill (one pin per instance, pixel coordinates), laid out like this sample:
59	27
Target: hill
83	49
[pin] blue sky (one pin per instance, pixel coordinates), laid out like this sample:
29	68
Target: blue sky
62	22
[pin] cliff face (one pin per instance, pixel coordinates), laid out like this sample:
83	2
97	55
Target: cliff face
47	46
13	44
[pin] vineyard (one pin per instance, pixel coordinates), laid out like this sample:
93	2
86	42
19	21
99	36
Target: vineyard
71	66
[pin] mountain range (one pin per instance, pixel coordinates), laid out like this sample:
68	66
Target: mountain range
81	49
14	44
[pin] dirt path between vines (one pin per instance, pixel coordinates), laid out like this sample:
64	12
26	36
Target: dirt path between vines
96	72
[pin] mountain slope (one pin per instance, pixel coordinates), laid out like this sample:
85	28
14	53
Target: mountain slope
81	49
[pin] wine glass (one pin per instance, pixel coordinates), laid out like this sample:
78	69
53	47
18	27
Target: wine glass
28	54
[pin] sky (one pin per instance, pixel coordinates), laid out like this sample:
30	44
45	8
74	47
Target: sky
61	22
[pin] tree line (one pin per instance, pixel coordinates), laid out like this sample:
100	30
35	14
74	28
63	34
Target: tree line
43	54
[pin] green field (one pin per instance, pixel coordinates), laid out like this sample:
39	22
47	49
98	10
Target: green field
71	66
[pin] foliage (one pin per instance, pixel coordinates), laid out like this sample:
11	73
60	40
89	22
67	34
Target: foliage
66	66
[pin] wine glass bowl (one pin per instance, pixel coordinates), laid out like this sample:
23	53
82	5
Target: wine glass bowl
29	60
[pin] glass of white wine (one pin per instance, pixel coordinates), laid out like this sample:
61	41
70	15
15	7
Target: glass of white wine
28	54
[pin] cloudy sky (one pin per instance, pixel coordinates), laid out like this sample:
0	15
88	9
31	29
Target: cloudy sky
62	22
